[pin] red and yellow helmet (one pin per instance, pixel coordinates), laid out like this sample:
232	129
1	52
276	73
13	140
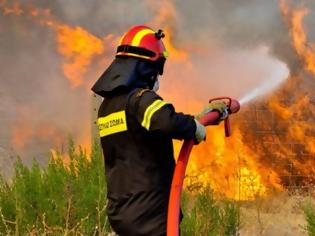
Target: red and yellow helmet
142	42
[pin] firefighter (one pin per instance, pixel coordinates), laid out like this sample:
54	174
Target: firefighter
136	128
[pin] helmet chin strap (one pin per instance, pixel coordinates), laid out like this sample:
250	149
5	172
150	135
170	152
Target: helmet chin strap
156	85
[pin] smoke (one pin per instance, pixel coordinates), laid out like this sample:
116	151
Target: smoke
35	95
243	24
221	44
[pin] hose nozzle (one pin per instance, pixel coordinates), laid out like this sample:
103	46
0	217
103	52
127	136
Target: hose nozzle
233	106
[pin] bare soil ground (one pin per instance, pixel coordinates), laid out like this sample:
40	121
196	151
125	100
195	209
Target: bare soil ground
280	215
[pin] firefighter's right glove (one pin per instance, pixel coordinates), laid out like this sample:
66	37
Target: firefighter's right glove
221	107
200	134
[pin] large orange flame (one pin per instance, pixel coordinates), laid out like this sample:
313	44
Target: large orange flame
78	47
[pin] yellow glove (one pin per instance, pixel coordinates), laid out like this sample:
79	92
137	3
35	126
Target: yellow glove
221	107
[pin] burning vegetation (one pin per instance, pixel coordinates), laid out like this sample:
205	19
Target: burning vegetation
273	145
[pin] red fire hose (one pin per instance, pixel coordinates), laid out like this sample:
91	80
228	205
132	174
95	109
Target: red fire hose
180	169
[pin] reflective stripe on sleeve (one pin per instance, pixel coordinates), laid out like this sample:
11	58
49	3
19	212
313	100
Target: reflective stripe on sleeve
112	123
149	112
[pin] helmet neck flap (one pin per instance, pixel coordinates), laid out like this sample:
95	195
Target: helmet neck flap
126	74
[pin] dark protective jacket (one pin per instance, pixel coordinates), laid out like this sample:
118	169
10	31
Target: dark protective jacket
136	130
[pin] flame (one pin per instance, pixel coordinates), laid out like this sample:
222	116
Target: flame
175	53
27	129
78	47
229	167
300	129
294	19
236	167
164	18
15	10
21	135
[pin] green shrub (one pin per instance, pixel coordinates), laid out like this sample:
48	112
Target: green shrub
203	215
59	199
309	212
68	197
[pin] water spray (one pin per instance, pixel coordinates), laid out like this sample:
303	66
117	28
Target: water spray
274	81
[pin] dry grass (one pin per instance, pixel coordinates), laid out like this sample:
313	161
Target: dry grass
280	215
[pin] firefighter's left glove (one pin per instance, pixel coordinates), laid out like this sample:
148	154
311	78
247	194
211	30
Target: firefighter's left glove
220	107
200	134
